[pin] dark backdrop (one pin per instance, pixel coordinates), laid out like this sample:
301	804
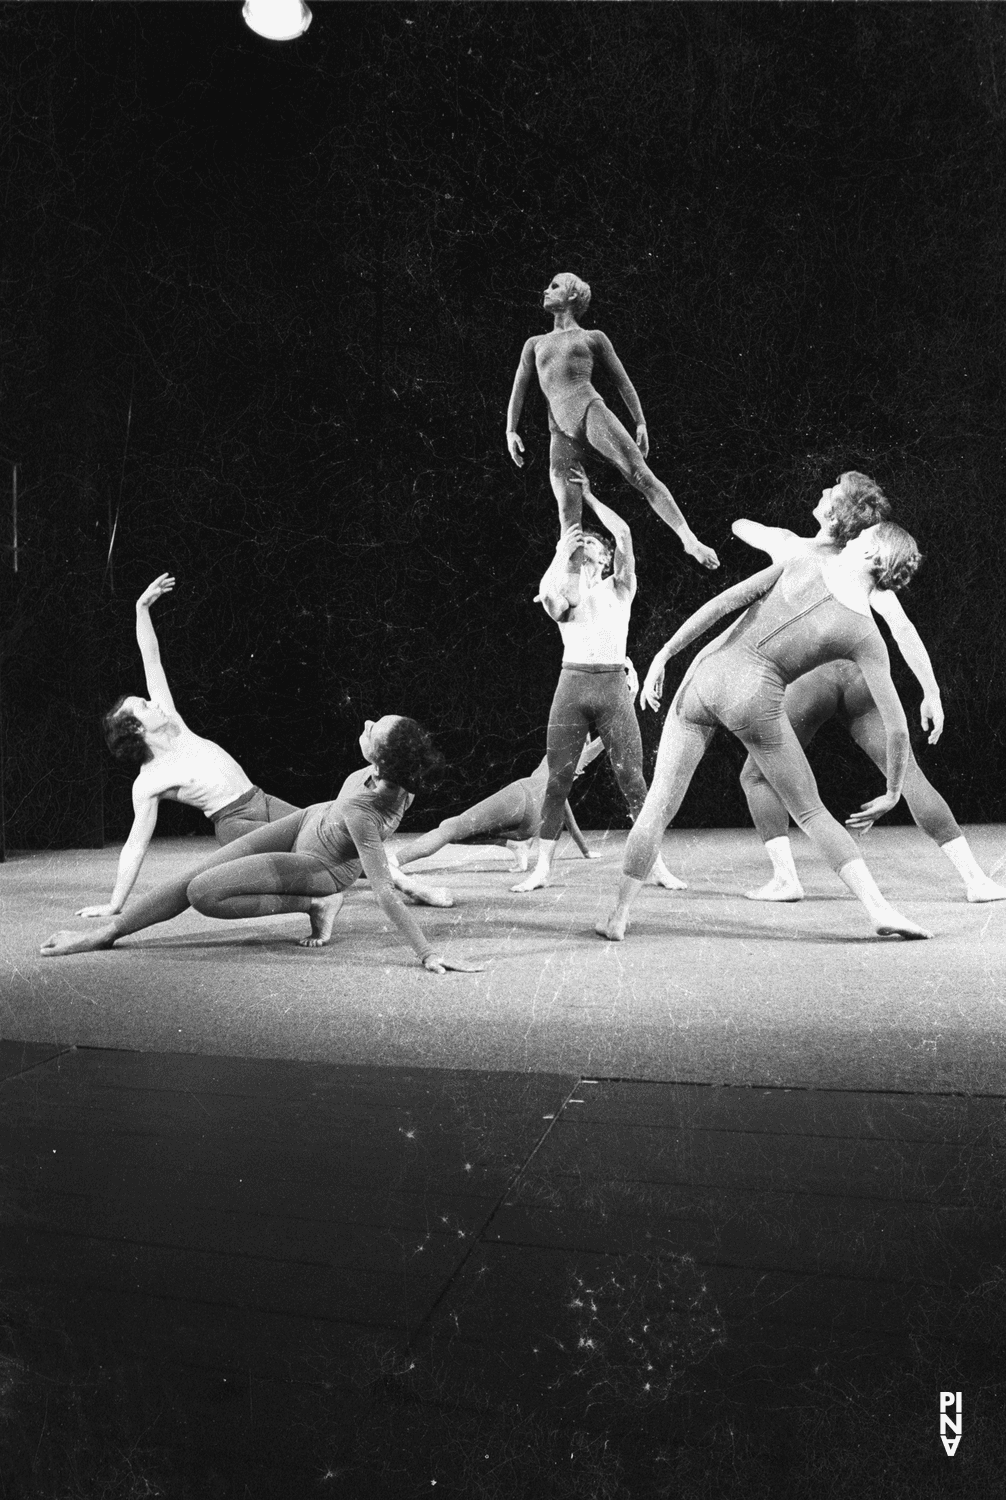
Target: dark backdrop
264	306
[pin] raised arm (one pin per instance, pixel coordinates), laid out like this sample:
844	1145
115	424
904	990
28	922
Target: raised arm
364	830
560	575
775	540
605	352
157	684
133	854
525	369
740	596
624	561
908	641
873	661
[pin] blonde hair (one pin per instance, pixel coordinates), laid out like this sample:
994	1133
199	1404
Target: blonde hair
579	287
898	559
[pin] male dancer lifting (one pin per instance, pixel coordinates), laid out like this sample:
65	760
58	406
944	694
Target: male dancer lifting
592	694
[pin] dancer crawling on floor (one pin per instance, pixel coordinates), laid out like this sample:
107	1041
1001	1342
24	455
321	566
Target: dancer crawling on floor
838	689
579	420
306	862
174	763
591	696
809	610
510	818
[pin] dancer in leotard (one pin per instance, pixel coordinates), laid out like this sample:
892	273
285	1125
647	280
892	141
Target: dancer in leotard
510	818
579	420
307	861
806	611
174	763
591	695
838	689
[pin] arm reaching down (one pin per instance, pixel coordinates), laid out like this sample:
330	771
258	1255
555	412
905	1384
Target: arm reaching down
740	596
364	829
525	369
910	644
134	852
872	659
605	351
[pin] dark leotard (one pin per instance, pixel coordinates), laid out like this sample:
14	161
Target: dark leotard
248	812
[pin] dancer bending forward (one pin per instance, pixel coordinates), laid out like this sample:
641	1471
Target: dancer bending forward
837	689
307	861
174	763
807	611
591	696
578	419
510	818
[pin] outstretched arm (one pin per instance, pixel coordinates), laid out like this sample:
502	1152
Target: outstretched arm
525	369
624	561
775	540
365	833
910	644
605	352
873	661
134	852
157	684
740	596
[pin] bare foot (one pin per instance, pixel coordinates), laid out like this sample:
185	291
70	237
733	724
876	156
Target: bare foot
986	890
74	942
427	895
661	875
536	881
520	849
323	912
779	888
893	924
701	553
614	928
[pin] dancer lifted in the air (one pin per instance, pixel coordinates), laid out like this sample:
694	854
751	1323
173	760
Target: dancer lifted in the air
510	818
811	609
578	418
307	861
839	689
592	695
174	763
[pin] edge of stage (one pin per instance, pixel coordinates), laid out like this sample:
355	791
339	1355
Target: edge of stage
707	988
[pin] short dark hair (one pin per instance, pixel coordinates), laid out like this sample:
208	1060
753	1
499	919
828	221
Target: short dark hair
862	504
408	756
899	559
124	734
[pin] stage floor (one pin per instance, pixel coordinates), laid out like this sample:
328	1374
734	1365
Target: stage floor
708	987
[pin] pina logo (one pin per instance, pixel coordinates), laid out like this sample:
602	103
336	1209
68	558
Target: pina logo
950	1420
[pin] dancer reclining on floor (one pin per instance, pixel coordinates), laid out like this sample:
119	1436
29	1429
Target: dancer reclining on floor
510	818
307	861
174	763
591	696
837	689
578	418
809	610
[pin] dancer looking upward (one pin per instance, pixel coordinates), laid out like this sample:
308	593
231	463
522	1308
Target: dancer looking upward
306	862
578	419
811	609
591	696
174	763
510	818
838	689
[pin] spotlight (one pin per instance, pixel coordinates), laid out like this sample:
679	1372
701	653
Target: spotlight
277	20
